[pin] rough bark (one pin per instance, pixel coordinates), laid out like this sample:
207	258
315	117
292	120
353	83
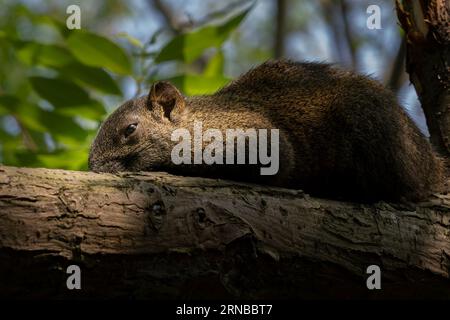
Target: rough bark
155	235
427	30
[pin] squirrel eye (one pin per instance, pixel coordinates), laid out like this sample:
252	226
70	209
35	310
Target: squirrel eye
130	129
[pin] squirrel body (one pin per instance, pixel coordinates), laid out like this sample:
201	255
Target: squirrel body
341	135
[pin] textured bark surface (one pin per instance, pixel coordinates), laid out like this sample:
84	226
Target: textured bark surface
155	235
427	30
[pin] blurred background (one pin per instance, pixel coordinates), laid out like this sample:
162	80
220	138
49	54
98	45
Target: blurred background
57	85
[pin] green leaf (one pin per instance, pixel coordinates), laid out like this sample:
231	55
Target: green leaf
73	159
54	56
60	58
132	40
199	84
30	117
97	51
44	54
62	127
8	103
95	78
8	144
215	65
187	47
19	156
44	19
67	97
7	139
92	111
59	92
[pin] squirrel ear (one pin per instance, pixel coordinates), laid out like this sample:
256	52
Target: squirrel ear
166	99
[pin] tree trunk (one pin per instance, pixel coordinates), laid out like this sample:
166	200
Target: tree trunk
154	235
427	30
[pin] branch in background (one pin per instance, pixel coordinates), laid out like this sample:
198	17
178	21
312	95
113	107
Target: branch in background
27	139
348	34
280	28
426	25
177	26
397	76
231	7
173	24
173	21
329	12
200	64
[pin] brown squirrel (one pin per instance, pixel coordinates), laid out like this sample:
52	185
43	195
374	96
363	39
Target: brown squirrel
341	135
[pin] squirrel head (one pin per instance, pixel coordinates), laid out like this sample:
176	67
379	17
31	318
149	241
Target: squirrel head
136	136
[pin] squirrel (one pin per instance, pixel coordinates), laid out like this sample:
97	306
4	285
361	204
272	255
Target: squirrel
341	135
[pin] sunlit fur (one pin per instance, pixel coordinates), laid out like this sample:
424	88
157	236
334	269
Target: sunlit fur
342	135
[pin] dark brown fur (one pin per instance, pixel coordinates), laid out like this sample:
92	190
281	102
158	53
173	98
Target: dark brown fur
341	134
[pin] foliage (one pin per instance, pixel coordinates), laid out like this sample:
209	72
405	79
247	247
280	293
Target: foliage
54	92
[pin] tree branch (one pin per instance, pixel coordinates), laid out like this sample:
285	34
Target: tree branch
348	34
426	25
328	9
153	235
173	22
280	28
